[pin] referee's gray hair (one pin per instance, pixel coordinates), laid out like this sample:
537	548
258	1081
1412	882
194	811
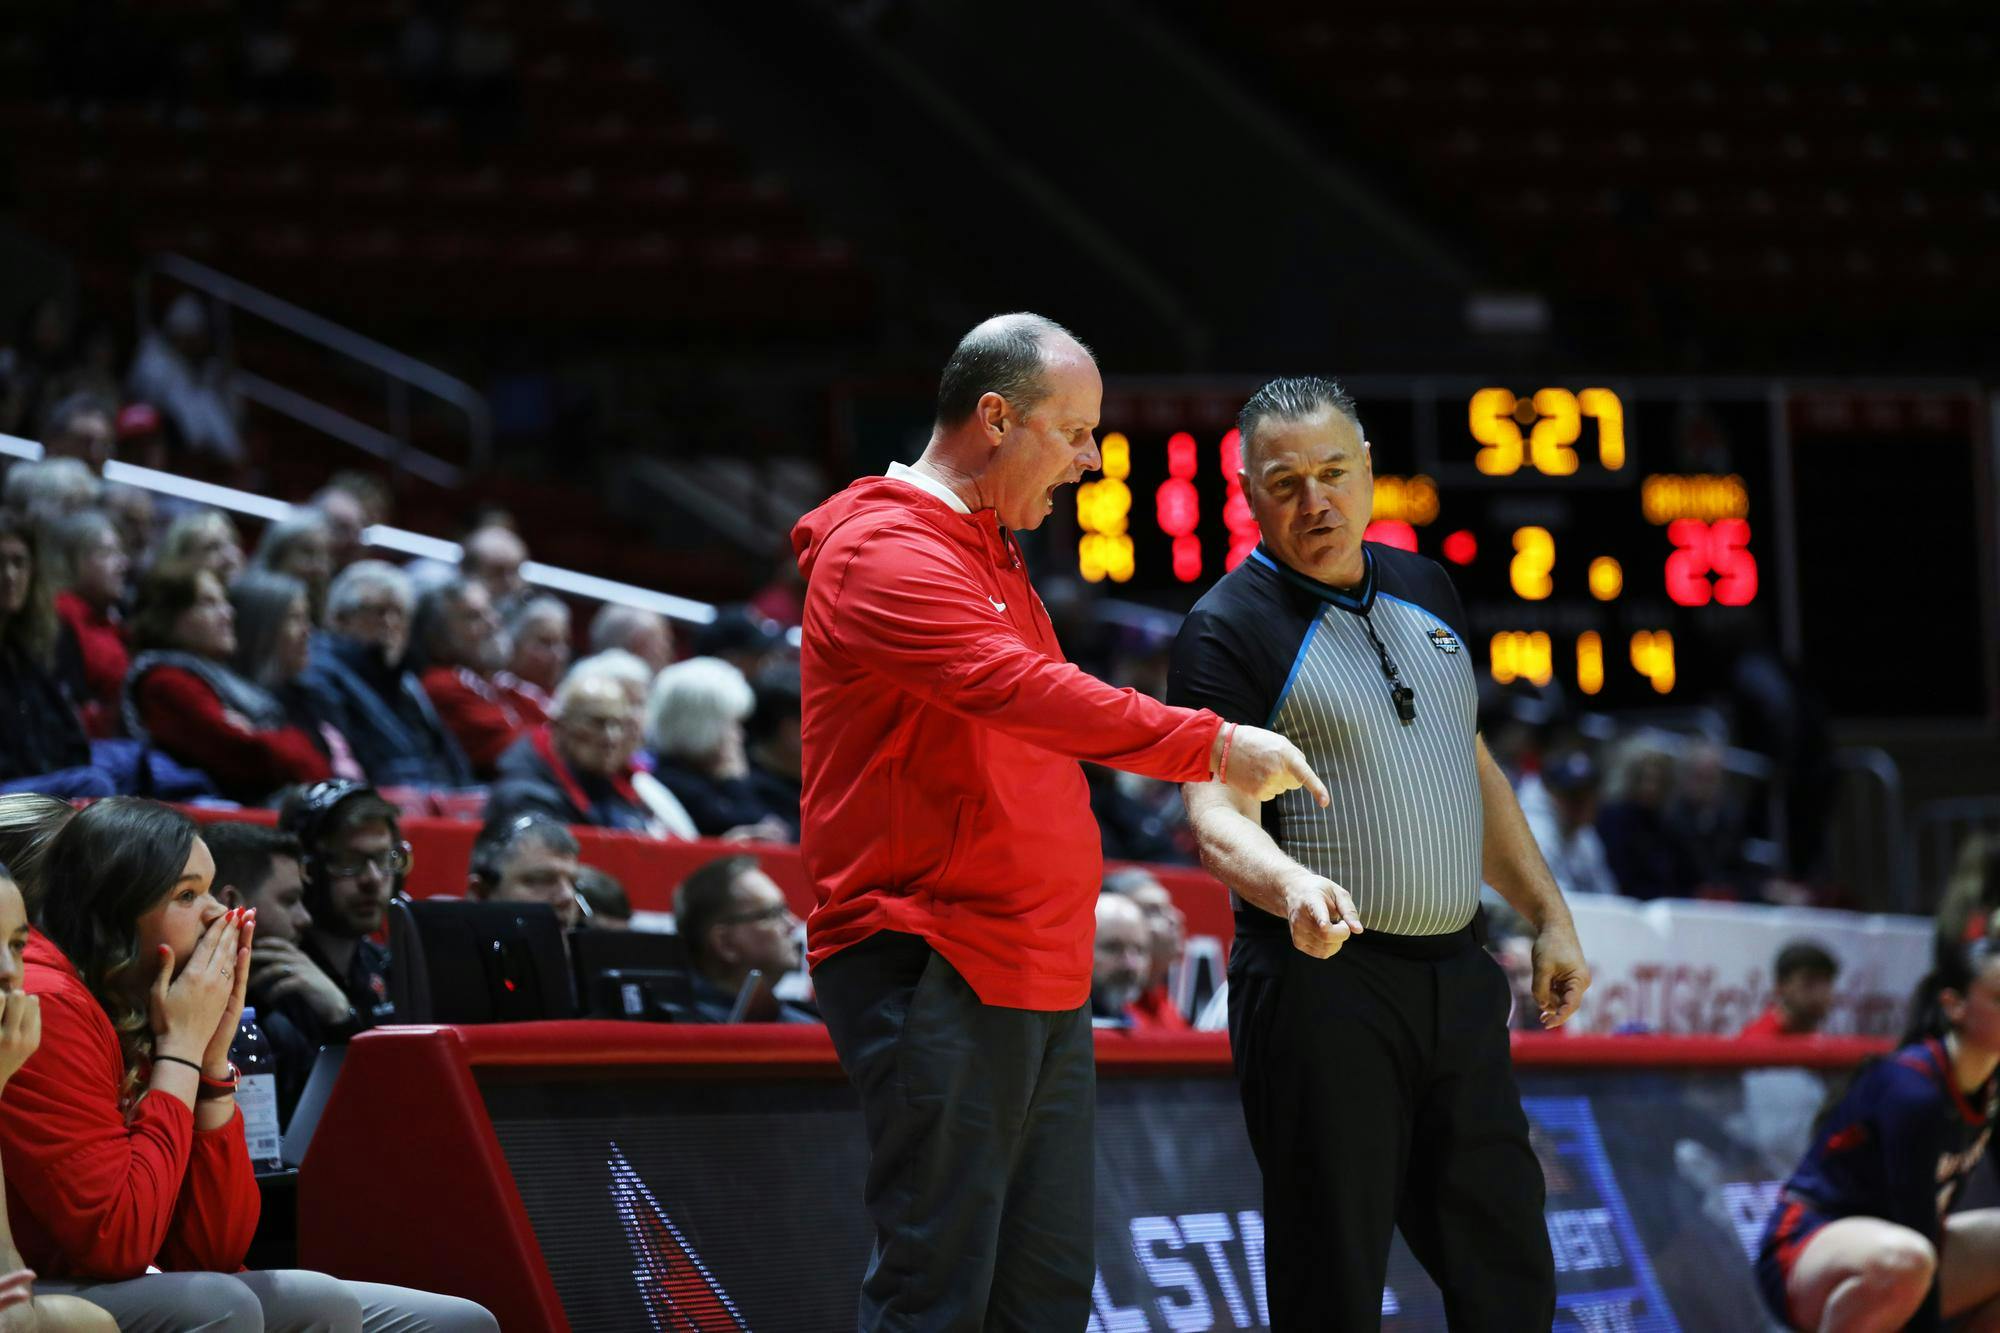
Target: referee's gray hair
353	585
1293	398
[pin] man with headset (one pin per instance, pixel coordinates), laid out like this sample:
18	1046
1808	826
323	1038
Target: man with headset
355	861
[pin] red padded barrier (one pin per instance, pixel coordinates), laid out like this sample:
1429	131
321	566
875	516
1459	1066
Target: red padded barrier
408	1115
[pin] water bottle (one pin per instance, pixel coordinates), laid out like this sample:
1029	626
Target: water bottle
257	1092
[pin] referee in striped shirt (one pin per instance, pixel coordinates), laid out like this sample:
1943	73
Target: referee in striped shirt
1369	1028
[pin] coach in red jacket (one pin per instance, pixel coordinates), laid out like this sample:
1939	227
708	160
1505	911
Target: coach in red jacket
948	833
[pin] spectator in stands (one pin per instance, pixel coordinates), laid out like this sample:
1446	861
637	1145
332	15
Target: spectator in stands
142	436
173	370
42	744
50	491
1645	857
1804	975
273	645
647	635
205	538
132	510
91	568
629	671
43	354
782	600
458	642
301	546
82	427
1123	956
577	769
29	822
121	1134
694	722
346	519
493	555
1511	941
1972	892
20	1038
538	645
527	859
1705	820
354	862
357	681
776	750
1166	940
734	920
97	369
606	905
1565	825
742	638
184	696
299	1006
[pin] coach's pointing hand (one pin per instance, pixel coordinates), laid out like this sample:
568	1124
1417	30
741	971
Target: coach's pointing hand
1321	914
1262	764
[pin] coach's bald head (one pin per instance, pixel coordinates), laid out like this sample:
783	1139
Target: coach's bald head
1016	417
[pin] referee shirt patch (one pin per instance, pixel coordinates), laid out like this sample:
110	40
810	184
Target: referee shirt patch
1444	640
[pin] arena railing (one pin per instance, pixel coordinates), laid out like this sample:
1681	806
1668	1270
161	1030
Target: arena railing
402	375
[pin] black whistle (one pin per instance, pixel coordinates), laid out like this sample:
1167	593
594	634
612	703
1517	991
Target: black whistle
1405	700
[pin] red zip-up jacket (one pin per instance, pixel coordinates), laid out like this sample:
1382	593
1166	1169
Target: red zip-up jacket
93	1193
942	728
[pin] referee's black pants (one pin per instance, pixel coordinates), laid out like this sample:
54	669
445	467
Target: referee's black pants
982	1161
1379	1092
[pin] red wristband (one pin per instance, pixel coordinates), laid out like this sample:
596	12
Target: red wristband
1228	739
213	1089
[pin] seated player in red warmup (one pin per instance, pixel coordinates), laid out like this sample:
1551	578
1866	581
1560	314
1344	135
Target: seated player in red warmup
1863	1237
1803	977
184	696
120	1135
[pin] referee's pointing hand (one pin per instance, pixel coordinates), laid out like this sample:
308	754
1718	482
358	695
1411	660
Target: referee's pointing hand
1262	764
1322	916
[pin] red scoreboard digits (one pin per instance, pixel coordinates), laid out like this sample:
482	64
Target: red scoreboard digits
1179	506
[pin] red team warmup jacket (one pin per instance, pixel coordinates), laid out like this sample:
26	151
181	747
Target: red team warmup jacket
93	1193
942	728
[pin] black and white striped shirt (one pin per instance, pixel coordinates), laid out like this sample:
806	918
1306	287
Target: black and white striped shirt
1270	647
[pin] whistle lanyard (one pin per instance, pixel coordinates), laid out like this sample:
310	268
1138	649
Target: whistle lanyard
1402	696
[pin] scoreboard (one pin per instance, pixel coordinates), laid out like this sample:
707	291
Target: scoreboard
1625	541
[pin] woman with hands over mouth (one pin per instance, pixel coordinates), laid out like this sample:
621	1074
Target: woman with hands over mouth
122	1143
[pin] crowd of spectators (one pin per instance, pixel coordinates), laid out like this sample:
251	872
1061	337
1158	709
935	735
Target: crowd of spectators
142	652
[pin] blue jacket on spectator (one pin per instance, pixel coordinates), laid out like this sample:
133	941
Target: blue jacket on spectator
384	713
